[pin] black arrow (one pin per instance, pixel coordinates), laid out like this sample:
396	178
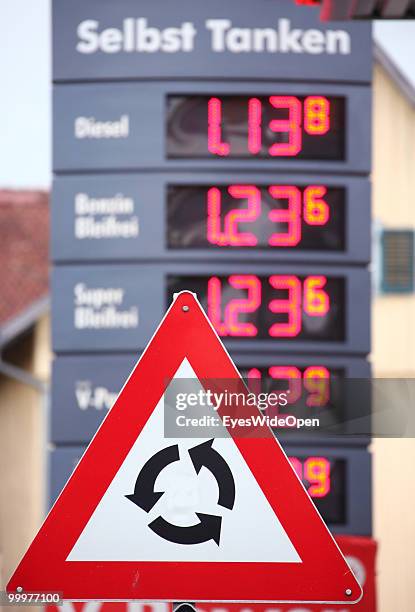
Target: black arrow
205	455
207	529
144	495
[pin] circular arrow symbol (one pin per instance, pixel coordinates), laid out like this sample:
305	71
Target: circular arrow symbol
145	497
207	529
205	455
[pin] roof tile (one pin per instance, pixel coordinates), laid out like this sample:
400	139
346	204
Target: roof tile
24	231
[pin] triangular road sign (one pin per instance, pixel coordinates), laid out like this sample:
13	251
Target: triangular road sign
131	524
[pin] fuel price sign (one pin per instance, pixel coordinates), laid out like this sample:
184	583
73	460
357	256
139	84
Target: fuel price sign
211	216
272	307
279	126
217	124
285	306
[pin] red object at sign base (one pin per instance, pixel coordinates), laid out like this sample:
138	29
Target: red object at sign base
360	552
268	545
309	2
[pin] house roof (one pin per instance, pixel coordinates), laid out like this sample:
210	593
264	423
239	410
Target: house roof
24	239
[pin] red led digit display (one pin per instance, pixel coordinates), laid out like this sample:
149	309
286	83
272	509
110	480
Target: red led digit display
313	381
315	472
249	216
279	306
324	480
274	127
310	391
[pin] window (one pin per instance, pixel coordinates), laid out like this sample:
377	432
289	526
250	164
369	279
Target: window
397	261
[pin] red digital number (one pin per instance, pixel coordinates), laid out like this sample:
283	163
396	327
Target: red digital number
315	111
293	376
290	215
290	306
316	210
316	382
254	126
315	472
314	301
230	236
225	232
231	325
290	126
215	144
316	115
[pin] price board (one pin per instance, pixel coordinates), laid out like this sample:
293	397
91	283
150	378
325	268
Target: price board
177	125
84	388
252	307
198	40
223	148
210	216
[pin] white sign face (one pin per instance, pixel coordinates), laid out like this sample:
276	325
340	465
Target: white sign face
185	523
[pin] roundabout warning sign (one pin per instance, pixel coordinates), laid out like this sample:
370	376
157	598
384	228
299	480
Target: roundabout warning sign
147	517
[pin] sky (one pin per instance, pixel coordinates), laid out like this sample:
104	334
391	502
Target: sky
398	39
25	99
25	104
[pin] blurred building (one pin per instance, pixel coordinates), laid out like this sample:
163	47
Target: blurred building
393	178
24	369
25	344
393	320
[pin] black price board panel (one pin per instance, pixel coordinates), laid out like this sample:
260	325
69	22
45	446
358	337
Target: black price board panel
84	387
271	307
216	125
197	39
205	216
256	127
338	481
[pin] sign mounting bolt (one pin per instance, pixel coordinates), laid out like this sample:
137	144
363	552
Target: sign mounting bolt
185	308
348	592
